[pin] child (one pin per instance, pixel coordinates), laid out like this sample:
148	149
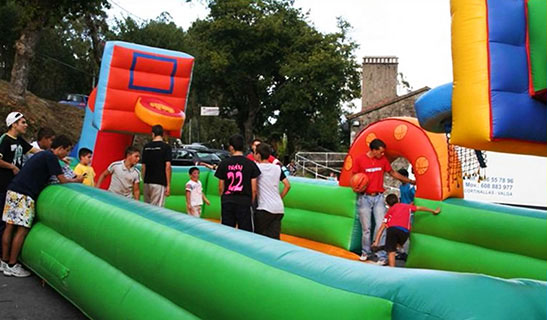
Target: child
397	222
237	186
22	193
406	190
194	195
125	177
43	141
84	167
270	203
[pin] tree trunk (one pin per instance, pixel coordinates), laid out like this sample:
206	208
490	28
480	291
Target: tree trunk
254	106
24	53
96	48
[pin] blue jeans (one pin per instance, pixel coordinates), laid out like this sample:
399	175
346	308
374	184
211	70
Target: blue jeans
368	206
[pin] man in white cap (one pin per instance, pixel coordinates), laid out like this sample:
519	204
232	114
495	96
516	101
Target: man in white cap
12	149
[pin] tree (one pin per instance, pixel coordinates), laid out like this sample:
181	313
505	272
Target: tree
161	32
38	15
268	68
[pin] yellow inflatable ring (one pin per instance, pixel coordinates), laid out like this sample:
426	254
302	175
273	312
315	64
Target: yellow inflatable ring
153	111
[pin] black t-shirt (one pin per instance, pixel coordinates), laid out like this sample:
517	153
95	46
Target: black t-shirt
11	151
154	155
237	172
35	174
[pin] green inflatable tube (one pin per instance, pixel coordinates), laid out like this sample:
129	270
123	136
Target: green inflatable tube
497	240
117	258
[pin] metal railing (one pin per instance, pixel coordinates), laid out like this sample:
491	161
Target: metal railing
314	162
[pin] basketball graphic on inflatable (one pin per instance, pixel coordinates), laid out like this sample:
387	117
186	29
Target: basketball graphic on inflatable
359	182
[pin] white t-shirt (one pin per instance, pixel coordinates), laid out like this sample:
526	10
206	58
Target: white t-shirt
123	179
27	156
195	192
269	198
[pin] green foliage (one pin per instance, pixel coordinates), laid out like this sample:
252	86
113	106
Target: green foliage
161	32
57	70
270	70
262	62
9	32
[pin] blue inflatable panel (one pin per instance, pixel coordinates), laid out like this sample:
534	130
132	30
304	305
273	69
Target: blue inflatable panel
434	109
89	133
515	115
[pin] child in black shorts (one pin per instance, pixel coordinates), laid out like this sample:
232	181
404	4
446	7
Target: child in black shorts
397	222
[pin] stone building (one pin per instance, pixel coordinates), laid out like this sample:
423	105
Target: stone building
380	99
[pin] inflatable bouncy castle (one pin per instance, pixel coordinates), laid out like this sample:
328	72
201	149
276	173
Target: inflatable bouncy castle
498	99
138	87
116	258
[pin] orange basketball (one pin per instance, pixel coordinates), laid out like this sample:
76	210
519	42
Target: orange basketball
359	182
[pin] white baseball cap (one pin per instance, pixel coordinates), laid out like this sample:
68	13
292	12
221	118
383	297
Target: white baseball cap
13	117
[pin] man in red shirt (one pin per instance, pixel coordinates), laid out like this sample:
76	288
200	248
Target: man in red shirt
250	155
371	202
397	222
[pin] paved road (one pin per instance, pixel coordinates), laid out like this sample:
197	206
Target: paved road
28	299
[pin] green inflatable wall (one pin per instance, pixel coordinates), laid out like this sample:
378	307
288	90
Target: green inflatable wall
322	212
116	258
502	241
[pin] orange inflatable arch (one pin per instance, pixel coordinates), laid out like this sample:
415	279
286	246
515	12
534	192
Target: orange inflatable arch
427	152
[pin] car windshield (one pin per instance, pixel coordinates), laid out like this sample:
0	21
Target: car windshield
206	156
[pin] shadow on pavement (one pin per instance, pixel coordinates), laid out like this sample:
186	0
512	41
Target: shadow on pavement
27	298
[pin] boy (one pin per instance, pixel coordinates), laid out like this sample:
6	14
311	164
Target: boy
237	186
406	190
22	193
84	168
270	203
194	194
156	168
12	149
125	177
44	138
397	222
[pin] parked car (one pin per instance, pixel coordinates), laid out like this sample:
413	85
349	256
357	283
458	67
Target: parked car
191	157
77	100
222	154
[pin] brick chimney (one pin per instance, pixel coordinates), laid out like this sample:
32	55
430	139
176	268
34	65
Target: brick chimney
379	80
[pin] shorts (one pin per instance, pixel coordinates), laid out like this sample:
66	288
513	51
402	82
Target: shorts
268	224
232	214
195	211
154	194
19	209
394	237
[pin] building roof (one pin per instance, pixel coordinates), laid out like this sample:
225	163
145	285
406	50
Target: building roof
386	102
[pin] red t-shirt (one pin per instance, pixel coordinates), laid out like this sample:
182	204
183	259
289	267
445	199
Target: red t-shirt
399	215
374	168
271	159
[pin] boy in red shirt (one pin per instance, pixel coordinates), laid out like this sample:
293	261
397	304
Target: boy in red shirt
397	222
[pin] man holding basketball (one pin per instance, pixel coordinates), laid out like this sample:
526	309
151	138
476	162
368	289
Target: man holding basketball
371	201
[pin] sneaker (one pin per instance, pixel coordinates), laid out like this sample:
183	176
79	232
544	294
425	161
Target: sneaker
3	265
363	257
401	256
17	271
381	262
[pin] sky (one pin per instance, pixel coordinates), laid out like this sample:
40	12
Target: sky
416	31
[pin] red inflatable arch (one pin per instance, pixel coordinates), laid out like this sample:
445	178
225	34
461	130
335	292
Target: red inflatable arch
427	152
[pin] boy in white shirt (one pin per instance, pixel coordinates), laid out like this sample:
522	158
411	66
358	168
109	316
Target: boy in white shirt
270	207
194	194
